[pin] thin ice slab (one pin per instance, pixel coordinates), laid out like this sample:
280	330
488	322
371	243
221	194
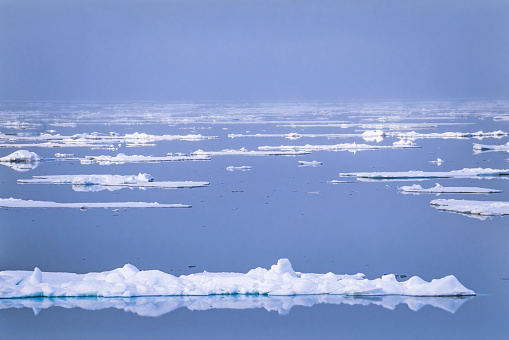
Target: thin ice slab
438	189
245	152
478	148
281	279
352	147
481	208
112	181
19	203
122	158
407	175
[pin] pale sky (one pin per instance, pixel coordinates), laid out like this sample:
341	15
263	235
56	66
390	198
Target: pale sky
253	50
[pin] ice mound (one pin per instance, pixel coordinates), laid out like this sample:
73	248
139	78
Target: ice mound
21	156
464	173
482	147
281	279
19	203
482	208
438	189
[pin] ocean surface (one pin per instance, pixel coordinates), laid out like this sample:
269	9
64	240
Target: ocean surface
248	218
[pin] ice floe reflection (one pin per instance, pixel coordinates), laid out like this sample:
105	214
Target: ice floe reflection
156	306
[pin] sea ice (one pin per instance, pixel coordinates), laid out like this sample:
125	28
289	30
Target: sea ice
241	168
123	158
281	279
155	306
412	135
21	156
438	161
483	208
110	182
311	163
19	203
245	152
406	175
478	148
438	189
352	147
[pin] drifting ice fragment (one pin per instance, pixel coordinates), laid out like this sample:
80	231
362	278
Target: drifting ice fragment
19	203
245	152
21	156
281	279
352	147
123	158
438	189
110	182
482	208
405	175
478	148
312	163
241	168
437	162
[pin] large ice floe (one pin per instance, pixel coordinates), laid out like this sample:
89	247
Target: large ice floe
412	175
122	158
478	148
20	203
110	182
21	160
482	208
155	306
438	189
352	147
245	152
281	279
368	135
412	135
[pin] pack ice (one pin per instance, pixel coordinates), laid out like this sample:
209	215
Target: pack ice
463	173
19	203
281	279
111	182
438	189
482	208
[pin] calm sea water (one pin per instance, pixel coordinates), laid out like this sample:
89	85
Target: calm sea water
249	219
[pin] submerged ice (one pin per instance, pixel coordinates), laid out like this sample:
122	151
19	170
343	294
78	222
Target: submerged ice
281	279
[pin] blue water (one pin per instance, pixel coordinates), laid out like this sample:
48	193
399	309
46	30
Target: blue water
250	219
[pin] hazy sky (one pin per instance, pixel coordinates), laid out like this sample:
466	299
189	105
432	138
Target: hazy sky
205	50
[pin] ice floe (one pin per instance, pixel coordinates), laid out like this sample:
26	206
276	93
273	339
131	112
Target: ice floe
241	168
310	163
21	160
412	135
352	147
408	175
122	158
478	148
245	152
438	189
155	306
369	135
110	182
437	162
281	279
20	203
482	208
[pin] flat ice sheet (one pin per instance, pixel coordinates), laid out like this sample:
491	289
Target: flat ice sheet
19	203
352	147
438	189
405	175
281	279
482	208
244	152
155	306
115	181
483	147
122	158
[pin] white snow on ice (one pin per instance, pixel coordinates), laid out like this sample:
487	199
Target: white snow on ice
111	182
406	175
19	203
352	147
281	279
438	189
245	152
122	158
21	156
482	208
310	163
241	168
478	148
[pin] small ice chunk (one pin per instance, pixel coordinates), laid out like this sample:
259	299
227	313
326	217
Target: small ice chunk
241	168
438	189
21	156
311	163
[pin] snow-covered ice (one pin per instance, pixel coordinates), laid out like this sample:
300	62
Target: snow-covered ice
281	279
406	175
412	135
111	182
241	168
19	203
21	156
482	208
438	189
245	152
155	306
122	158
310	163
478	148
437	162
352	147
